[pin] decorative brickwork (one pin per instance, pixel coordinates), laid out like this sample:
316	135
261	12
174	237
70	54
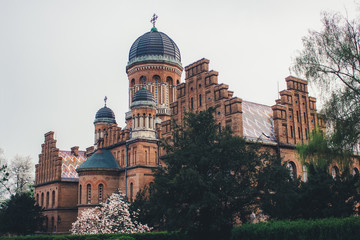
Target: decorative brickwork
129	155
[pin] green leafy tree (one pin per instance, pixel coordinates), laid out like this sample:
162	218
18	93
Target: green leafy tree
20	215
208	180
323	195
280	193
331	59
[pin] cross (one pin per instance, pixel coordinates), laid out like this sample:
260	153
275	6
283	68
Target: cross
105	99
153	19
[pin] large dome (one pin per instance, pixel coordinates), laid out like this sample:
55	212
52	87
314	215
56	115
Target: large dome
154	46
106	115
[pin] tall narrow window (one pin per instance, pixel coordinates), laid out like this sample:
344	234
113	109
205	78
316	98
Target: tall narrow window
80	194
291	131
37	199
131	191
88	193
101	192
47	199
42	199
53	198
192	103
297	116
200	100
304	118
146	160
299	132
122	158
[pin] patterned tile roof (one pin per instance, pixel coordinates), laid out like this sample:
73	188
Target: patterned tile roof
258	122
70	162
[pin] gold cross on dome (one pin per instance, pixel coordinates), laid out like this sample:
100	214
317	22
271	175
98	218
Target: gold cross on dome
105	99
153	19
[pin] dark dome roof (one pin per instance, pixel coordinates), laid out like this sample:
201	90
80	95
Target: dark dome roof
105	114
153	44
143	95
101	159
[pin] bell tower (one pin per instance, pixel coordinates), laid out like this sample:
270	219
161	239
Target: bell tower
154	64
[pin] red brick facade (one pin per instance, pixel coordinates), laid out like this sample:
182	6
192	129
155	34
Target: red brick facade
64	193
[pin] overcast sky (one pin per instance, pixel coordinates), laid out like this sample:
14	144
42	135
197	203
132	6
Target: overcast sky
59	58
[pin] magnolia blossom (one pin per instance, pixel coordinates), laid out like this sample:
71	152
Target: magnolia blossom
113	216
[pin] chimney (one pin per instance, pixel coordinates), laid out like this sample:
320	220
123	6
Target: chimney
75	150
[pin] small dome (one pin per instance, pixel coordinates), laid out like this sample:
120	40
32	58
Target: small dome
101	159
105	114
154	46
143	95
143	98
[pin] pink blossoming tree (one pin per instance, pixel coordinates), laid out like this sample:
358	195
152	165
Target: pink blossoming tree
113	216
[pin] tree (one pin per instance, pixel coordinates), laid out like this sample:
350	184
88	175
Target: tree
113	216
21	174
324	195
331	59
20	215
16	177
208	180
4	176
280	193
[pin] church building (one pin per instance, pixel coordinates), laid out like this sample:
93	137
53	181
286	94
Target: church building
123	158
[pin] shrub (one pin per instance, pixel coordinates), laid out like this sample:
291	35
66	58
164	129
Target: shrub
321	229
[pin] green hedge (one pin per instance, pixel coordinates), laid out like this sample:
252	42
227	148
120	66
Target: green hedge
321	229
134	236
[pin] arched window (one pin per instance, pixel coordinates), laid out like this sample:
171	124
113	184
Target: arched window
132	83
101	188
149	118
334	172
304	173
177	82
200	100
88	193
53	199
37	199
355	172
42	199
138	121
169	81
192	103
47	199
142	79
131	191
80	194
156	79
292	169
